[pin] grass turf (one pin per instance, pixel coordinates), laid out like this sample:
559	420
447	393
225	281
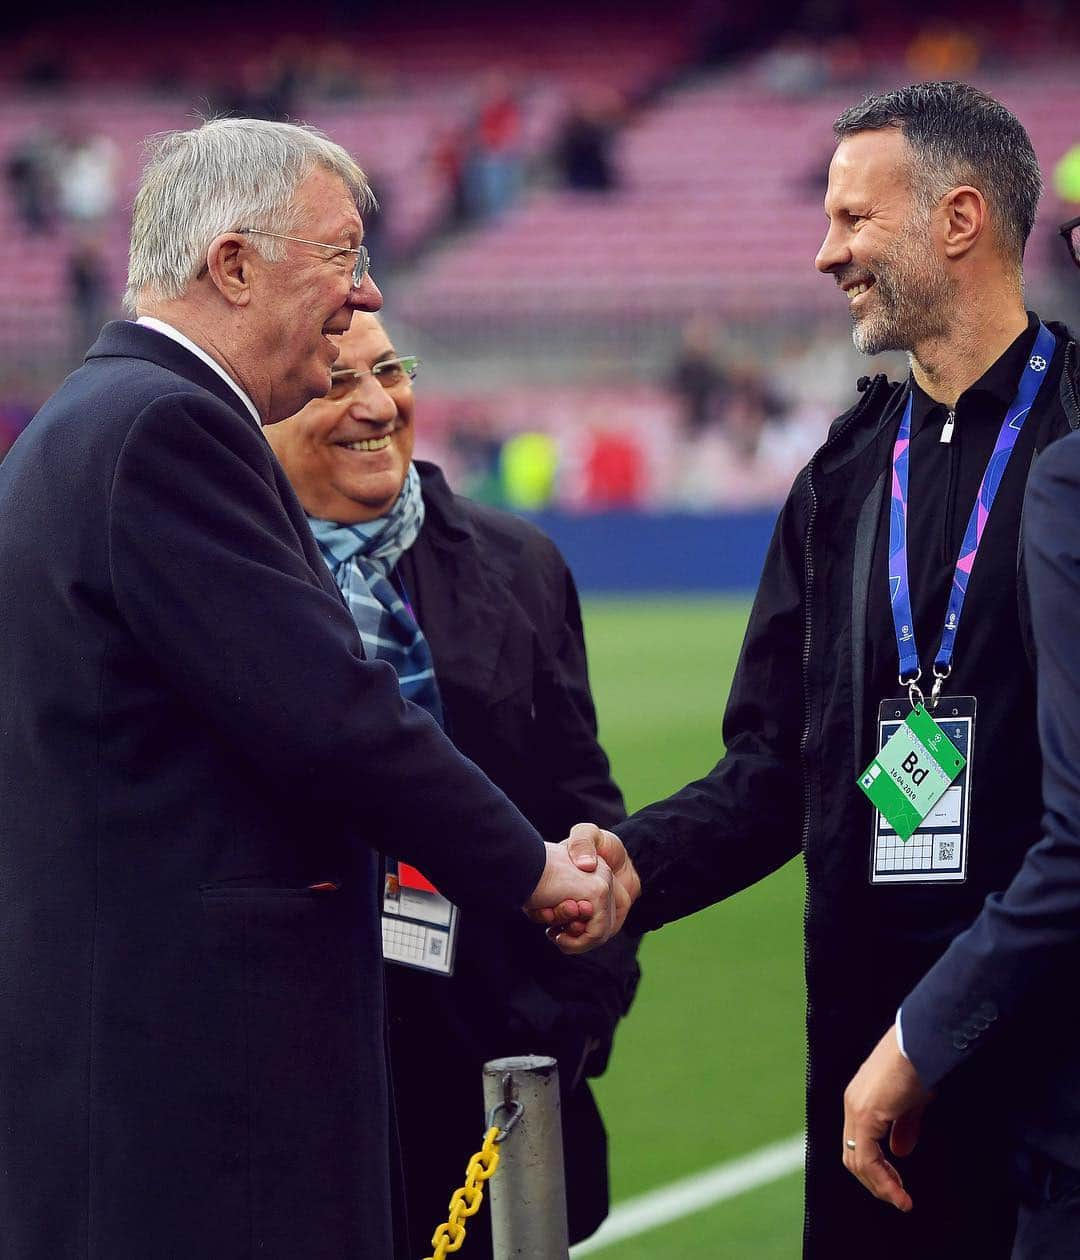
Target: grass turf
710	1064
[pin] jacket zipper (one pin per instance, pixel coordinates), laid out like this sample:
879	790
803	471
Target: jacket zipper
808	582
949	552
1066	374
947	427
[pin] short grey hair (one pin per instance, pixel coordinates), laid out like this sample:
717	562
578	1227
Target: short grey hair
960	135
226	174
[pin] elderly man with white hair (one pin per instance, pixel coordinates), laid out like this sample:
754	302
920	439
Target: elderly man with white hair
198	765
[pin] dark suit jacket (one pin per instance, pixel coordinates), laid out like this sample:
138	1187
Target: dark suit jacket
1001	990
500	611
192	1040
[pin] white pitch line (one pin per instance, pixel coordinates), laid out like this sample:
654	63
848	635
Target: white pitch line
695	1193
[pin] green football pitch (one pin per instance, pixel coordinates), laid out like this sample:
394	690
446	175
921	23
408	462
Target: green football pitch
710	1063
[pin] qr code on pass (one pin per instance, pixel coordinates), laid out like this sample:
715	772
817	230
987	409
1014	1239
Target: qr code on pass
946	851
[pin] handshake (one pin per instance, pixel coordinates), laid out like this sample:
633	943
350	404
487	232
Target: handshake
587	887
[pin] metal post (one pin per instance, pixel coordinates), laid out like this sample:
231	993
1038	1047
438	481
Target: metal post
528	1191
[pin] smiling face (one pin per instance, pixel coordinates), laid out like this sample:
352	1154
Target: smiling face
308	296
880	247
347	455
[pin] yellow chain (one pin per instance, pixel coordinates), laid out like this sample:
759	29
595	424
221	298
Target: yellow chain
466	1201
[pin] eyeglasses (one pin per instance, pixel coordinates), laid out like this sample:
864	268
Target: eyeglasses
389	373
360	267
1071	233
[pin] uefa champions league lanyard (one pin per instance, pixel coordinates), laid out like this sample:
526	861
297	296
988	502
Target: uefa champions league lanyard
899	589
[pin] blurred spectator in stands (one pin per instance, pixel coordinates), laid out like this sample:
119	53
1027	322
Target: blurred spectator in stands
696	377
87	283
796	66
614	470
846	61
475	447
331	72
262	87
448	155
750	404
492	174
942	50
86	177
31	174
528	463
42	64
1066	184
582	152
1066	176
376	237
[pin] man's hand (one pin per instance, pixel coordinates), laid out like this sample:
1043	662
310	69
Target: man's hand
885	1097
576	897
589	848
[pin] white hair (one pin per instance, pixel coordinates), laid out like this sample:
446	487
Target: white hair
227	174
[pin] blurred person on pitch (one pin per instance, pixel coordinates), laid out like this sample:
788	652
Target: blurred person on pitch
1002	980
198	763
914	500
478	614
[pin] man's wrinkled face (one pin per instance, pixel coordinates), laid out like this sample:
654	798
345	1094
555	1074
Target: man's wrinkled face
307	298
347	454
879	245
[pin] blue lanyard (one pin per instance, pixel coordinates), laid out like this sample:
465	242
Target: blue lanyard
899	589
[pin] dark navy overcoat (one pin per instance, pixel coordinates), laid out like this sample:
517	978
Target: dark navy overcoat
197	767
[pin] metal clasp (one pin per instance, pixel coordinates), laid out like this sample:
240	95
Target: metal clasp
915	695
509	1103
939	678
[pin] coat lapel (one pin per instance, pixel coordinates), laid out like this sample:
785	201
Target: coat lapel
465	598
125	340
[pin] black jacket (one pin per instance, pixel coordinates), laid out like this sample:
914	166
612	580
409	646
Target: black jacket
499	609
192	1037
797	735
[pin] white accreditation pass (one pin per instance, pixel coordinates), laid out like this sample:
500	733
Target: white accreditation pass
936	852
419	925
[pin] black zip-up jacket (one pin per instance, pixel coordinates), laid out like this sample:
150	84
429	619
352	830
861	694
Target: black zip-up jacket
799	728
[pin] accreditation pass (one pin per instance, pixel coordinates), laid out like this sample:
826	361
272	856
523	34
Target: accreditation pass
936	850
419	925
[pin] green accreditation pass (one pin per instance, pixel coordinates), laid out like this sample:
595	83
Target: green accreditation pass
912	772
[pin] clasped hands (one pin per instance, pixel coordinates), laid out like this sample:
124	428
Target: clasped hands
587	887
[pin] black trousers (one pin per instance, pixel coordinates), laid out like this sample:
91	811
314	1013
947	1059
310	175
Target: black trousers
1048	1220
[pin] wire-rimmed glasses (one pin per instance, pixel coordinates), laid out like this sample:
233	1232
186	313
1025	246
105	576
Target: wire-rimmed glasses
360	268
388	372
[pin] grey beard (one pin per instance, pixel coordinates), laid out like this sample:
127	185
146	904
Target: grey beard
907	313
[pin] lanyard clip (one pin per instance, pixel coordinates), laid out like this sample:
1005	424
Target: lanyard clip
939	677
915	695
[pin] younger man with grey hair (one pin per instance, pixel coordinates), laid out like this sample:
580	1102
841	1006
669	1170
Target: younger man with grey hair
197	764
893	568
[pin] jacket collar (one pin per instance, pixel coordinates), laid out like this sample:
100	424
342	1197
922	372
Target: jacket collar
122	339
444	518
465	592
882	398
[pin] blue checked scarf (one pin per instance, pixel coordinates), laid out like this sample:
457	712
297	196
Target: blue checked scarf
361	558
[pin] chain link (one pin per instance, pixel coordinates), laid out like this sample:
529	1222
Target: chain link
466	1201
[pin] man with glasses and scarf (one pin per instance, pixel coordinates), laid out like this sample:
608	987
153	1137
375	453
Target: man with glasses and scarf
478	614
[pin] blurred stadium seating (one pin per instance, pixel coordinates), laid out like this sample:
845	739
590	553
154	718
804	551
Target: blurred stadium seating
564	312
